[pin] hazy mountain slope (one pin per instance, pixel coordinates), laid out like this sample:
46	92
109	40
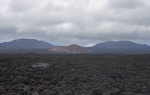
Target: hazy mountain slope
120	47
25	44
119	44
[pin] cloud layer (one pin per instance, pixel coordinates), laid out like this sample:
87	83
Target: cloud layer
75	21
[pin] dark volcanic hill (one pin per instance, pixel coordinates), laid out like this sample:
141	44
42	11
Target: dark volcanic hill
25	44
70	49
120	47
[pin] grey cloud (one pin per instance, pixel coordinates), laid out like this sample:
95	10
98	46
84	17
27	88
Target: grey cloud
7	30
17	6
126	4
7	33
81	21
21	6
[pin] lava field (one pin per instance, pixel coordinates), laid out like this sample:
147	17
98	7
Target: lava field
76	74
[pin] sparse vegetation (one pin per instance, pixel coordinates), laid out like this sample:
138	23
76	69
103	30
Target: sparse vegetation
43	74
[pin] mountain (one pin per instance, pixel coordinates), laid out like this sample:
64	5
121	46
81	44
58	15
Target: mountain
120	47
75	49
25	44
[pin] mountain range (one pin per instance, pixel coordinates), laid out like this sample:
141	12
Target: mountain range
108	47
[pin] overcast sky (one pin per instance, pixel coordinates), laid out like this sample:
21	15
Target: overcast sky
83	22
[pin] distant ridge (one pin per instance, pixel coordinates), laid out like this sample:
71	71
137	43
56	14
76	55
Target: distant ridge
119	44
120	47
71	49
25	44
109	47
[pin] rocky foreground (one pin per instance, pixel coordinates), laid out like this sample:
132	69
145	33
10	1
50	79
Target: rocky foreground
35	74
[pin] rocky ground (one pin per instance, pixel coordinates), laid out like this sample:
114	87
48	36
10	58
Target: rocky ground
37	74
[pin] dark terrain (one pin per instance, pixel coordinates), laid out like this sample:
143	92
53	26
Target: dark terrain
43	74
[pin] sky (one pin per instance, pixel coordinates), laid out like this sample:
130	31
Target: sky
83	22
